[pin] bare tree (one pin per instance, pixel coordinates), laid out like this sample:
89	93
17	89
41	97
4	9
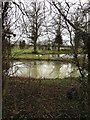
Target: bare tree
58	38
8	30
36	18
6	45
85	37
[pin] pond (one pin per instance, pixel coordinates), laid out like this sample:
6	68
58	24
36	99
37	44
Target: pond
60	55
43	69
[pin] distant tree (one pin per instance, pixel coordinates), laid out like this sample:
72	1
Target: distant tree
58	38
76	37
36	18
22	44
57	27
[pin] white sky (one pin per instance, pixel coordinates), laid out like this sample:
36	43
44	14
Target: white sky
65	37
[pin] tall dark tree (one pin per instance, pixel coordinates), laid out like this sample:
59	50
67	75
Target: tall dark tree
86	39
76	37
6	45
58	39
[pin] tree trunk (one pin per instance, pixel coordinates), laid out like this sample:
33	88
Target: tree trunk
58	47
35	48
88	86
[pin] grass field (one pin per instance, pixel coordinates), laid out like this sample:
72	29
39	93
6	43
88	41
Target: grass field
30	50
41	54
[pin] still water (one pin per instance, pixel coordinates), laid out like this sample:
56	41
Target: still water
43	69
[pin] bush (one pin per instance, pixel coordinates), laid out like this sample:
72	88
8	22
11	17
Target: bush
22	44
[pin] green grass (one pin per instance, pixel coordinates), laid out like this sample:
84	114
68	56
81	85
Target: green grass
40	57
15	50
30	50
42	54
26	54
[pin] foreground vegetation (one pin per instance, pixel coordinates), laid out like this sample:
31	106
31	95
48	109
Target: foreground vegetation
35	98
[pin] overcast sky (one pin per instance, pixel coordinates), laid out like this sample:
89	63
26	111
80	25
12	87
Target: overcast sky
27	2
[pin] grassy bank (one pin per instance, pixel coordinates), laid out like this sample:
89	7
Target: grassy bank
44	98
26	54
41	57
47	55
30	50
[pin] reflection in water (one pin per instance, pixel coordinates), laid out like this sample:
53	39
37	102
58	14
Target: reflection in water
60	55
44	69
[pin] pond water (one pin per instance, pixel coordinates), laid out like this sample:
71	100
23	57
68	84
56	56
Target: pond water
43	69
60	55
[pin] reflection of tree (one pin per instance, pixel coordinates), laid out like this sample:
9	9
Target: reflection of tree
56	69
34	70
73	72
64	70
